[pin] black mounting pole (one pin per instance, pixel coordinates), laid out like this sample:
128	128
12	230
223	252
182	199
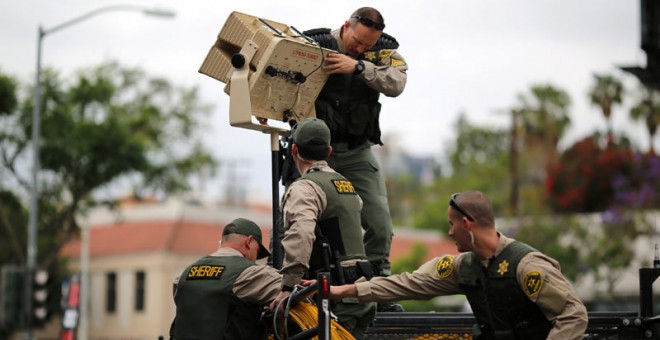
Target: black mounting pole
646	278
275	169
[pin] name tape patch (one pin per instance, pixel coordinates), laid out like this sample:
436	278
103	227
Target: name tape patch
343	186
205	272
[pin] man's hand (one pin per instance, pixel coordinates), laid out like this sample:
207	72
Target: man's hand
337	63
307	283
277	301
340	292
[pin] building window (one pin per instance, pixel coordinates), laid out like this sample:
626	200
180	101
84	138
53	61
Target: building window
139	290
111	292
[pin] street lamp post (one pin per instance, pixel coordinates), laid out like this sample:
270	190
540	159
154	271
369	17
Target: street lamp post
34	205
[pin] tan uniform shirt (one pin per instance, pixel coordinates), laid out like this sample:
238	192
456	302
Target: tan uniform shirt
388	76
302	204
556	298
256	284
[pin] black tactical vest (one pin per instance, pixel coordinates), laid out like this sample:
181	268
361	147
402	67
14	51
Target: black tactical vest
206	306
500	306
339	224
350	107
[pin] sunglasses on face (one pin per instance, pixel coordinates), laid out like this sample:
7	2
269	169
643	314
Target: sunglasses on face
368	22
454	204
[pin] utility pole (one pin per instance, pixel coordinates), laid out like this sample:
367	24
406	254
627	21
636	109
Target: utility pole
513	163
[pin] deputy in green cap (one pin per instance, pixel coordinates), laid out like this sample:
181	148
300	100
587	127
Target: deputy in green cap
322	207
221	295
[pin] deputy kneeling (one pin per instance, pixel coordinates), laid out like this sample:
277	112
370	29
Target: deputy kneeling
221	296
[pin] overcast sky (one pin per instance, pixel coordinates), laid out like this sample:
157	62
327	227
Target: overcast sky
472	56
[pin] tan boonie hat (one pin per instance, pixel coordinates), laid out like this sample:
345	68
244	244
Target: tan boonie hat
243	226
311	132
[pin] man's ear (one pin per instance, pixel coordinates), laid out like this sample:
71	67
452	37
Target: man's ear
329	150
466	225
347	25
294	150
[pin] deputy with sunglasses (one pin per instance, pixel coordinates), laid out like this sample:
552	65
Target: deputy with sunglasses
515	291
366	65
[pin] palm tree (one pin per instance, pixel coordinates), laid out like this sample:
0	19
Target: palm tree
606	92
542	117
647	110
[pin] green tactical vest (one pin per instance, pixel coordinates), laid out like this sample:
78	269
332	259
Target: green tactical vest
206	306
350	107
340	221
501	308
351	110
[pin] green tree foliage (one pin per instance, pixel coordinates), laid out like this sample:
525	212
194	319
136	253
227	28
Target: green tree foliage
543	119
411	261
8	100
647	110
479	161
606	92
554	235
408	264
544	115
107	127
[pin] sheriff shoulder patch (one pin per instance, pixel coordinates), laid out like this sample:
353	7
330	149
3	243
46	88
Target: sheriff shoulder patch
205	272
343	186
445	266
397	62
532	283
384	54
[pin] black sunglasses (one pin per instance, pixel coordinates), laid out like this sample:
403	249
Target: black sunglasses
454	204
368	22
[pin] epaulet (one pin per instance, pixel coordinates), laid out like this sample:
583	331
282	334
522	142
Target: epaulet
323	37
386	42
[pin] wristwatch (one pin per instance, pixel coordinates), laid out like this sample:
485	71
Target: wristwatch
359	68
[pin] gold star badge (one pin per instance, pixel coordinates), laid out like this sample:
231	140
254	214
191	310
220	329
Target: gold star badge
504	266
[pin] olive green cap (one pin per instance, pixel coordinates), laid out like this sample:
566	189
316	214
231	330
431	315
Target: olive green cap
311	132
243	226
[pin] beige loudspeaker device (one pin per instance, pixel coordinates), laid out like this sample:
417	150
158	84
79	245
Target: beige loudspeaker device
271	70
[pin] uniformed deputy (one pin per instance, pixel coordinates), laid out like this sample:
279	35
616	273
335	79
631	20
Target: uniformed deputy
367	64
515	291
221	295
321	212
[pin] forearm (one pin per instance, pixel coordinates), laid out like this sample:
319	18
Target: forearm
405	286
292	274
345	291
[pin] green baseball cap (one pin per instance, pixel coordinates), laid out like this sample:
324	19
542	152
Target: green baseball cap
311	132
243	226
